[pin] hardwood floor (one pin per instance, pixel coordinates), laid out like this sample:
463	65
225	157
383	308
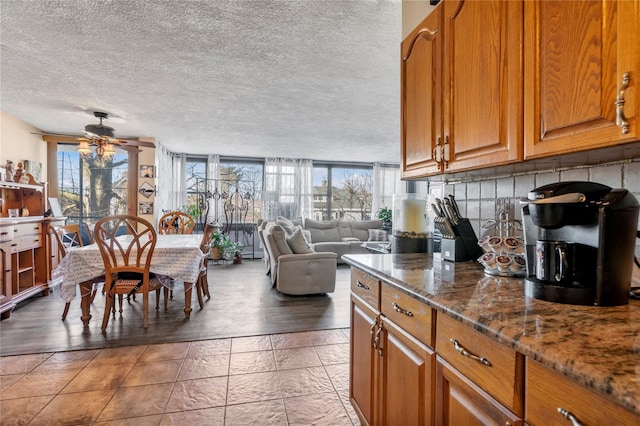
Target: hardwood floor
242	304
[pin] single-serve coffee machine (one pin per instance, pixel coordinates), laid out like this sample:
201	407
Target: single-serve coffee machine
579	243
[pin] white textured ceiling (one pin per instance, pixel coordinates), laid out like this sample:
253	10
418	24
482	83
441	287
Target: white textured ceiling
315	79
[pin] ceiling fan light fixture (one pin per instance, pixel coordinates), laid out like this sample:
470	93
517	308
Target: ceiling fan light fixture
84	149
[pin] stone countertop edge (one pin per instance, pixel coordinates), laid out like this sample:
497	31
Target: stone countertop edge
596	347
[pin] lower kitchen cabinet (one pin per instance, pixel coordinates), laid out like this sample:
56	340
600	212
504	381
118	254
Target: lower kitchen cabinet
552	399
407	369
459	401
363	360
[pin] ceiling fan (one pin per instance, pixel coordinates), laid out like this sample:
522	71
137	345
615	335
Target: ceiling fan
99	135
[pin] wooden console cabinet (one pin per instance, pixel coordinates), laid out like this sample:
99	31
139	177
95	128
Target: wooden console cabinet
25	245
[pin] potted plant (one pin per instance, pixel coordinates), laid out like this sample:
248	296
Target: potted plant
235	250
385	214
219	242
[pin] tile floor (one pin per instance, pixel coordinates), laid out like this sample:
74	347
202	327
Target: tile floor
279	379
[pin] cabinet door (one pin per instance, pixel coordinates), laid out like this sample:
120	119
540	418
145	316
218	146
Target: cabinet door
420	98
482	83
408	369
362	360
576	55
460	402
5	274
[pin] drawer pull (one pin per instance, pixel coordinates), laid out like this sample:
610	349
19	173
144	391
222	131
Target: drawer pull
468	354
401	311
5	233
359	284
14	245
569	416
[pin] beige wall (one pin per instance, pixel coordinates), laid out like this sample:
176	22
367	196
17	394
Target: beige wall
18	144
413	12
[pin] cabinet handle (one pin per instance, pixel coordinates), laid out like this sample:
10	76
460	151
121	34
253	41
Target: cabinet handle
465	352
401	311
445	152
359	284
14	245
437	151
569	416
377	341
4	233
621	120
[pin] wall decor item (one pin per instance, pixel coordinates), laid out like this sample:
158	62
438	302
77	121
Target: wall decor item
145	207
146	190
147	171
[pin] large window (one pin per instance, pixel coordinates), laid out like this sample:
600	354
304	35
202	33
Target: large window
342	192
91	188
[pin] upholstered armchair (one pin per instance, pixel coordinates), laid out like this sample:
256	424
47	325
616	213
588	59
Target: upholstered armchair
296	268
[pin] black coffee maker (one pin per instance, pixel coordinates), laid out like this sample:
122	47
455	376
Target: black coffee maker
580	242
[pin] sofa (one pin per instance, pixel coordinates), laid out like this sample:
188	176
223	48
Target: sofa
302	254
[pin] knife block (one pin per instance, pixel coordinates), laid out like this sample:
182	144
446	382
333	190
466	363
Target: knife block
465	231
453	250
464	247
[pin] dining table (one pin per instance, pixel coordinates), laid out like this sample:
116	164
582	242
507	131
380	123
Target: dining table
176	256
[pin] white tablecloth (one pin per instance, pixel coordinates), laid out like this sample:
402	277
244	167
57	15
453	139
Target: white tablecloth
176	256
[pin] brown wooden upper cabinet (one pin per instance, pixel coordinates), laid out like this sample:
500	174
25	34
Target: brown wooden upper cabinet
582	66
461	88
487	83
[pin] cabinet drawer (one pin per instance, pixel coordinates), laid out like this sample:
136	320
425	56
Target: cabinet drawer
548	391
26	242
6	233
367	287
495	368
26	229
410	314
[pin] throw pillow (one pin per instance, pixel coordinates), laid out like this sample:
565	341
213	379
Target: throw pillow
298	244
280	239
286	224
378	235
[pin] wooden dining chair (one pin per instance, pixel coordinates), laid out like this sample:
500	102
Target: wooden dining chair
202	285
176	223
126	244
67	237
88	227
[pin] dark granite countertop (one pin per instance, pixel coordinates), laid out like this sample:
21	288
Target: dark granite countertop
597	347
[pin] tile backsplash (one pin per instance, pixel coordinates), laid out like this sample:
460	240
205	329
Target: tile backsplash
482	199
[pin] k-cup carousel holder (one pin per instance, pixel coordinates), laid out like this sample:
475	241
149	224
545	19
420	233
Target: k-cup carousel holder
503	253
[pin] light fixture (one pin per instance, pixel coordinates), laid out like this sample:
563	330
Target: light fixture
99	136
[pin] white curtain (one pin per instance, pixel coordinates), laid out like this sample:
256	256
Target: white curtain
386	182
288	188
172	179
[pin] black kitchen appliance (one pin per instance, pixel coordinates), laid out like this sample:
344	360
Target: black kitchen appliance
579	243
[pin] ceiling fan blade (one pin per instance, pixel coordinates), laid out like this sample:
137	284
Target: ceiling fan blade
136	142
64	135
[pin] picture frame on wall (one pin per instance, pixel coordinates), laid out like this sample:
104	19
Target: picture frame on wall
145	207
147	171
146	190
